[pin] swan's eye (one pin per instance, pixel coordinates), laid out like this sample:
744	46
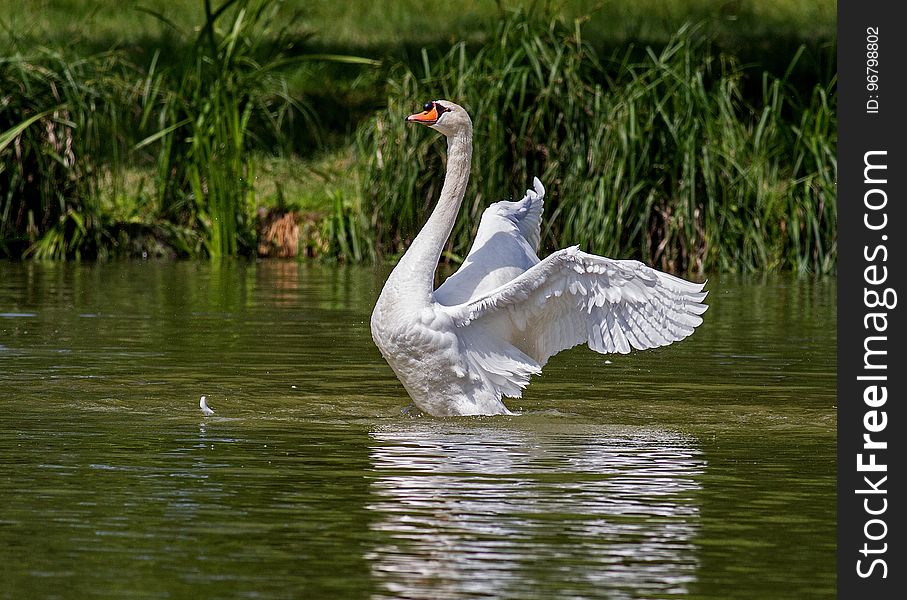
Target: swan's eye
428	106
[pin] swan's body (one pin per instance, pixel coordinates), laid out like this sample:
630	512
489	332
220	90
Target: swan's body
495	322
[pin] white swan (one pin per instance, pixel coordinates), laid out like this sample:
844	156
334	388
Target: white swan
498	319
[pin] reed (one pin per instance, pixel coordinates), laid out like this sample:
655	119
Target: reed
73	129
218	109
200	112
678	155
56	117
668	158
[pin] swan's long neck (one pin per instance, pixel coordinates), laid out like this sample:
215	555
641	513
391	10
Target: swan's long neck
418	265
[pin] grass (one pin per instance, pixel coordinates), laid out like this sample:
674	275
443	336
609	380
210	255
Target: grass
363	25
764	34
311	185
207	121
200	120
56	113
203	109
661	159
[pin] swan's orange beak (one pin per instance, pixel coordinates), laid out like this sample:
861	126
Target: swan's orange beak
426	117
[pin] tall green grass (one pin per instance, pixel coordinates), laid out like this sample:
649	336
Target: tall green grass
665	159
73	128
57	113
676	155
213	111
202	109
66	121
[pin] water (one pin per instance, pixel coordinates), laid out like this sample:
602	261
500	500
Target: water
705	469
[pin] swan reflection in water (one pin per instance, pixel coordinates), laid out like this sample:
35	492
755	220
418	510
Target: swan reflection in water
553	512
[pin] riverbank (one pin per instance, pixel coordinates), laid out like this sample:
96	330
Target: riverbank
699	148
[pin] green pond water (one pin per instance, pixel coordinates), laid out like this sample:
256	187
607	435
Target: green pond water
704	470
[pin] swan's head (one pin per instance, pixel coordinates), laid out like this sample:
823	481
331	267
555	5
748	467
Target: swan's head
443	116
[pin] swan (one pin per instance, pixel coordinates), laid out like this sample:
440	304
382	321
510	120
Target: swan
497	320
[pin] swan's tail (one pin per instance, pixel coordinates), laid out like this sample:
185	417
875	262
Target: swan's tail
496	365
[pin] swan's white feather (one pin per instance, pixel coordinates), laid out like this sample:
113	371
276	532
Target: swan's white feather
527	213
505	246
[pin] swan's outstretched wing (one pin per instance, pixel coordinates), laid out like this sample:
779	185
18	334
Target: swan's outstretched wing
506	244
526	213
573	297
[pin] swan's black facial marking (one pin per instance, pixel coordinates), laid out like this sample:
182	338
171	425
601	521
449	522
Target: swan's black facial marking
431	112
435	105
